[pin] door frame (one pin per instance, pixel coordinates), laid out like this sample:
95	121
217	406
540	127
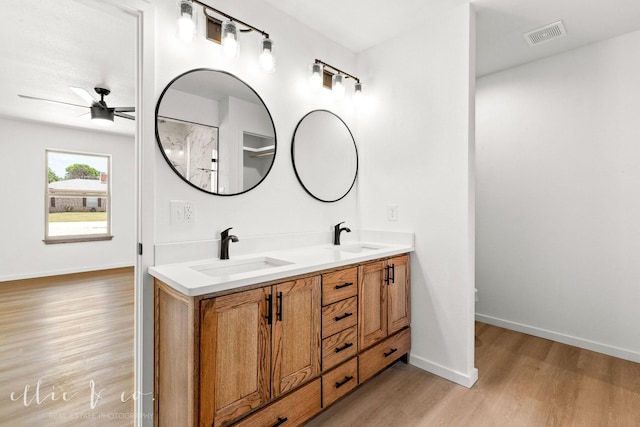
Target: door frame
144	12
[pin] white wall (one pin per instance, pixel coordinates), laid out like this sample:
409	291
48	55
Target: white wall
416	136
279	204
23	202
558	191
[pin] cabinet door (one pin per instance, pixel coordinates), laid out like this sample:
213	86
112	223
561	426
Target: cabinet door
296	333
372	294
398	301
235	346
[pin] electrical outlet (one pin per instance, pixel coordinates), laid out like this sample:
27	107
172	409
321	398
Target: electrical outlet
392	213
189	213
182	212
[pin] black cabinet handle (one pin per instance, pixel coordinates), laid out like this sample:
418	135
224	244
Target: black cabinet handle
386	278
279	309
392	268
346	284
344	347
344	316
280	421
269	309
393	350
346	380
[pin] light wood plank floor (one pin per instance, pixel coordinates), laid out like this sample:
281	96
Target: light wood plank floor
73	334
524	381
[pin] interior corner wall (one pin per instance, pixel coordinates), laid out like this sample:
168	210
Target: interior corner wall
416	133
558	200
24	254
279	204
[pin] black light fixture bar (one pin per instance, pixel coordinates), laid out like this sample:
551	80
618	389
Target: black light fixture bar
338	71
219	12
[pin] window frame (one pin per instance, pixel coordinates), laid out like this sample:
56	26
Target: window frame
48	196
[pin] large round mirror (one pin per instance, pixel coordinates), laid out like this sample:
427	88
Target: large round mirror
324	154
215	132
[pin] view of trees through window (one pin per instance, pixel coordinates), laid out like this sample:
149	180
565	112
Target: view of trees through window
78	196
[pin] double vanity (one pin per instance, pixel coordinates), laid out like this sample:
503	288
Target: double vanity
267	338
273	338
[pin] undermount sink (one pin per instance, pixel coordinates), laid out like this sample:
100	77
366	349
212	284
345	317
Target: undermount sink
229	267
357	248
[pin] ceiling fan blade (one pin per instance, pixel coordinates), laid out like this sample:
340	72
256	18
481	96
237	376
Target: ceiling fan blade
124	116
125	109
51	100
82	93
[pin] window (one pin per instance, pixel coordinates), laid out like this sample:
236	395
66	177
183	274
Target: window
78	196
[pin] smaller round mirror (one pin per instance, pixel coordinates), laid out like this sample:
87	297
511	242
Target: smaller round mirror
215	132
324	155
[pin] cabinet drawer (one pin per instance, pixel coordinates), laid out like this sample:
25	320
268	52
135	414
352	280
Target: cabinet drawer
339	382
338	316
290	411
382	355
339	347
339	285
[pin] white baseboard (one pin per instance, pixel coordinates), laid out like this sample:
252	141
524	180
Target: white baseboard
466	380
562	338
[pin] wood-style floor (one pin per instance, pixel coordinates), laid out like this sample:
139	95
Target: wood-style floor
524	381
66	350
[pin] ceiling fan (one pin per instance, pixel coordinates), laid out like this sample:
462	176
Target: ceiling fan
101	114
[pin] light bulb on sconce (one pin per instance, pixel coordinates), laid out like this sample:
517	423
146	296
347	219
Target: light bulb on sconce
186	24
337	86
267	61
315	76
230	46
357	93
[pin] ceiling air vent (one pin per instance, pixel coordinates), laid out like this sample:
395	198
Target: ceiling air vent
545	34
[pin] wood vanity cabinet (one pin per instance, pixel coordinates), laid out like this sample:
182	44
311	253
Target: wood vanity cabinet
383	288
278	353
252	347
384	315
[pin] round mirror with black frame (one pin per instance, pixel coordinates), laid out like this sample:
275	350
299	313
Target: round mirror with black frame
324	156
215	132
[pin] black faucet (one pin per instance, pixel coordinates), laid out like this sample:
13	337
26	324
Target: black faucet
224	243
336	232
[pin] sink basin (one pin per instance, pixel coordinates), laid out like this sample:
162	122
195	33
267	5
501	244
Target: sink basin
356	248
229	267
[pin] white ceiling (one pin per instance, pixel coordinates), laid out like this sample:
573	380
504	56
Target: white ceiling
501	23
361	24
50	45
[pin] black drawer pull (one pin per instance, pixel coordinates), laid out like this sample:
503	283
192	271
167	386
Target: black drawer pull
269	299
344	347
393	350
346	284
279	306
280	421
346	380
344	316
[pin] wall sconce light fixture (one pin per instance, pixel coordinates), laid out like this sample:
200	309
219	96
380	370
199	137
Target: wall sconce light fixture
322	74
186	24
225	33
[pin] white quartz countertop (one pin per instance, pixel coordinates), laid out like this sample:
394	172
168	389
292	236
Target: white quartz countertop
211	276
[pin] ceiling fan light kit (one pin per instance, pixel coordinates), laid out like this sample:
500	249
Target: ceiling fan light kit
102	116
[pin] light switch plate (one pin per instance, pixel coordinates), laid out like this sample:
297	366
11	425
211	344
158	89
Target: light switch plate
392	213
